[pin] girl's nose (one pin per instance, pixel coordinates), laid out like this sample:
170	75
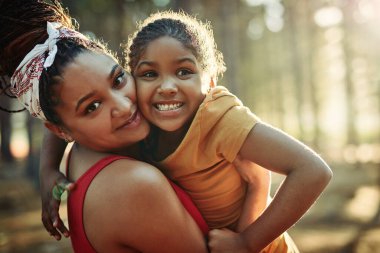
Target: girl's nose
168	88
121	106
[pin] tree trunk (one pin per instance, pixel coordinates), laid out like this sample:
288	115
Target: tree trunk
5	127
296	65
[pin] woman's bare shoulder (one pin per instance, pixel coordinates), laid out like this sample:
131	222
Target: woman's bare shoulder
127	177
115	200
132	198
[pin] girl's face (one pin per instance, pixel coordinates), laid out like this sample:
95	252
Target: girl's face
98	104
169	84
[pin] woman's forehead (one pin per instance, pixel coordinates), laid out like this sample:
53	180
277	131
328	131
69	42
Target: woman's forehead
94	59
89	63
88	71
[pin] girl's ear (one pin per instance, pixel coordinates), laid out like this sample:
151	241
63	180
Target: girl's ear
208	83
58	131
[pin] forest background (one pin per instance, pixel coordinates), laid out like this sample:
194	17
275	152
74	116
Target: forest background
310	68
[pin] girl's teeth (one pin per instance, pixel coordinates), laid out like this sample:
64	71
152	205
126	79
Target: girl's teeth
168	107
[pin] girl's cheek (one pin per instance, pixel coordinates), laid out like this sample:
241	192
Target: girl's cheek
140	94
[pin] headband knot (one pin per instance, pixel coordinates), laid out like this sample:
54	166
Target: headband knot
25	80
51	44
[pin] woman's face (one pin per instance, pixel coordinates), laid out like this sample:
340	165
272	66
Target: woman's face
98	104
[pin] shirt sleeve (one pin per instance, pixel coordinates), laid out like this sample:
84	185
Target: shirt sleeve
228	123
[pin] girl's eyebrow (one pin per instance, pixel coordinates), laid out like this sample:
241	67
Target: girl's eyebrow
149	63
152	63
185	59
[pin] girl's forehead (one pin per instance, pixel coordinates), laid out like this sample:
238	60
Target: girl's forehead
164	41
166	46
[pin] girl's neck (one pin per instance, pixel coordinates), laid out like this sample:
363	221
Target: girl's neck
165	143
133	151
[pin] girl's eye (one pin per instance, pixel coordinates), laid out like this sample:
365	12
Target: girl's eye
184	72
92	107
149	74
119	80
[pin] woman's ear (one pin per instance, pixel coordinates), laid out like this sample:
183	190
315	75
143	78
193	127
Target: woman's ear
59	131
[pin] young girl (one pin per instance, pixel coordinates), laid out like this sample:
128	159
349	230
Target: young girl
202	129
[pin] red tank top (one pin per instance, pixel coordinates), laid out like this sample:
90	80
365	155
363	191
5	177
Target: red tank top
76	198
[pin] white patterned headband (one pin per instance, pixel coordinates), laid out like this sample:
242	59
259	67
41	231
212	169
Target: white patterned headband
25	80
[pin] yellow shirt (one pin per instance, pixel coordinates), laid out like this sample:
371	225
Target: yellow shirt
201	164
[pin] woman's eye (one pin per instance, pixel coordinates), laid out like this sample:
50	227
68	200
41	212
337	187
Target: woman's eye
119	80
92	107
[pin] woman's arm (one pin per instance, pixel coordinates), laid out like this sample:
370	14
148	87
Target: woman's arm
51	155
130	206
306	177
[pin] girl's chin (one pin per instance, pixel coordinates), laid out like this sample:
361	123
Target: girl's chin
171	127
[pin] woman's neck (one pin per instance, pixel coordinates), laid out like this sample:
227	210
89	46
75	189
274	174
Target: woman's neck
82	158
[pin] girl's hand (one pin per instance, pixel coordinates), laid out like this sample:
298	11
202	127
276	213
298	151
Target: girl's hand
226	241
53	184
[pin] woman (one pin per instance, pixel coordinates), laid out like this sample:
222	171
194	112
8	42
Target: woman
61	77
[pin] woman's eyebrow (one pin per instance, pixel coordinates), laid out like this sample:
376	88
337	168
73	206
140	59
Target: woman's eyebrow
84	98
112	72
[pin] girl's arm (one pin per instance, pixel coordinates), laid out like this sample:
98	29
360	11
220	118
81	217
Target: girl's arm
51	178
306	177
258	190
130	205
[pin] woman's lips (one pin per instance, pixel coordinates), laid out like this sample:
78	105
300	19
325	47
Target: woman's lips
133	121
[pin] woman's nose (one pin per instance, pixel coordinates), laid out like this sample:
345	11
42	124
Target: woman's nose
121	106
168	88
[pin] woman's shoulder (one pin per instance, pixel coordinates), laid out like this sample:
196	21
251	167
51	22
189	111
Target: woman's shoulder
127	182
133	197
120	194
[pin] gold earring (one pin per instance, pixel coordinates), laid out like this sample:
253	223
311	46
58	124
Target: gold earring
67	139
65	136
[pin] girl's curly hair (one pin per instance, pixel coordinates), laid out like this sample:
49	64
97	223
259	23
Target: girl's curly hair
194	34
